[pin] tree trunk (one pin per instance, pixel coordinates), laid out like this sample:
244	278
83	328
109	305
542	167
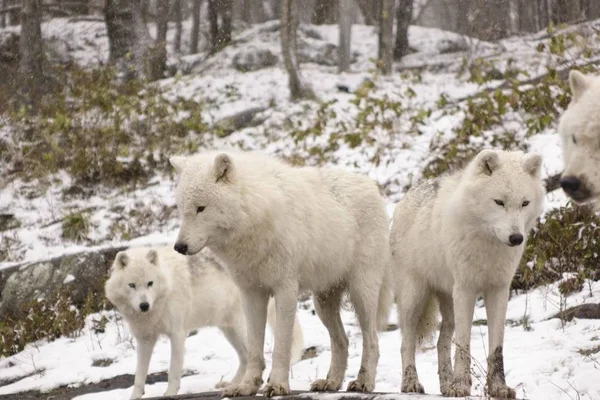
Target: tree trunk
289	50
325	12
195	36
145	4
491	19
213	20
131	49
344	51
177	9
31	65
162	21
225	11
591	9
3	16
403	19
370	9
386	36
253	11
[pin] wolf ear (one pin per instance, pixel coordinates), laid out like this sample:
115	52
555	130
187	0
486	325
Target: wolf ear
579	83
223	167
487	161
178	162
122	259
533	164
152	257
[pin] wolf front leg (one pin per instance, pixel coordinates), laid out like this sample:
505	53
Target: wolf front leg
286	299
496	300
144	353
175	368
463	298
255	303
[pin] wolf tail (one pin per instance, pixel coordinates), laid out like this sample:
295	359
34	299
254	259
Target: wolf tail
385	302
428	321
297	334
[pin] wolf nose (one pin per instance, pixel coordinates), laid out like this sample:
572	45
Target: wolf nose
181	248
515	239
144	306
570	184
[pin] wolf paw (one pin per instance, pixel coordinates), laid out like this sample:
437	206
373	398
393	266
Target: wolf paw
412	386
324	385
136	394
222	384
276	389
502	391
359	385
170	392
457	390
243	389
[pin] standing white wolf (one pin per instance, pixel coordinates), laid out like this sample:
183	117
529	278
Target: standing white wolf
579	128
454	238
280	230
161	292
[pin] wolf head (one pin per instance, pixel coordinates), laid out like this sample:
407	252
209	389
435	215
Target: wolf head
210	200
579	128
137	281
502	192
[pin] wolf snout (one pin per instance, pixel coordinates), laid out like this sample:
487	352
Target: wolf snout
515	239
144	306
181	248
575	188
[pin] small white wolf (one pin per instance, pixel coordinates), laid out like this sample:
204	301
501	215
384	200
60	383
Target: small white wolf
160	292
579	128
281	230
456	237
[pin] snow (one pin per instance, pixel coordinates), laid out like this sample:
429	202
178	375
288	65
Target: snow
541	363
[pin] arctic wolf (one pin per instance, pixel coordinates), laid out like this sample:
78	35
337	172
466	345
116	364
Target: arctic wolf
158	292
579	128
452	239
280	230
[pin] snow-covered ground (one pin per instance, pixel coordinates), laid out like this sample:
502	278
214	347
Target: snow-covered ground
542	363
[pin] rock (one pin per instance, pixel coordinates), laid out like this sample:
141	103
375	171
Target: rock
583	311
253	58
81	272
235	122
8	221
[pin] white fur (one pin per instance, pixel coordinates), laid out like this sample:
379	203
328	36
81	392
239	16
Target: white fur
185	294
282	230
450	242
579	128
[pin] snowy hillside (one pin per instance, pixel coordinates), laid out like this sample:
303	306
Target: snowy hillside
391	135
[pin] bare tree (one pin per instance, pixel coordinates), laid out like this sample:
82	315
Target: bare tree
253	11
371	10
403	19
325	12
220	33
288	32
490	19
162	21
345	23
177	11
131	49
386	36
31	65
195	35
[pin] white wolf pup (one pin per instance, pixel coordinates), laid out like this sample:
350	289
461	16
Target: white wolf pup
161	292
452	239
281	230
579	128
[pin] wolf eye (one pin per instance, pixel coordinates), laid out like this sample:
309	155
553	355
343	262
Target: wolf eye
574	140
132	285
150	284
200	209
525	203
499	202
